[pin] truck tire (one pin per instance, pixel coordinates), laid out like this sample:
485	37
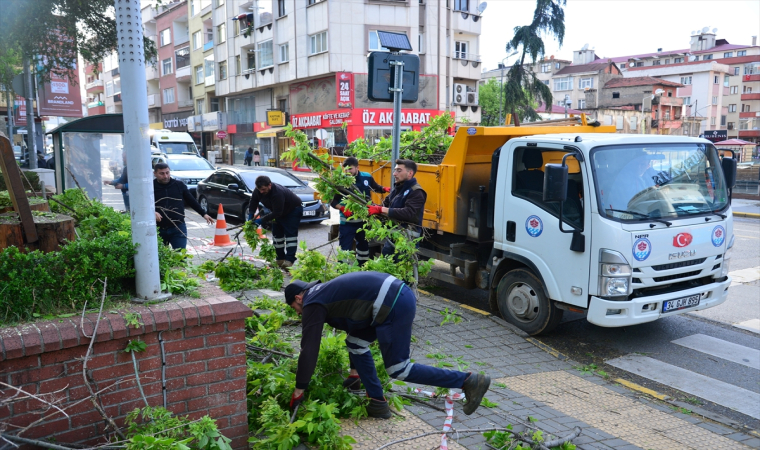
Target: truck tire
523	303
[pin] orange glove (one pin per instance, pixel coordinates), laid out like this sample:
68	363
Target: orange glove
387	189
347	214
374	209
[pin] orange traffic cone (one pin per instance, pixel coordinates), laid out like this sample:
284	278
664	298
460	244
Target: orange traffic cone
222	236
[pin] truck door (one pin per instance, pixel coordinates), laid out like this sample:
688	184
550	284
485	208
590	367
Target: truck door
532	226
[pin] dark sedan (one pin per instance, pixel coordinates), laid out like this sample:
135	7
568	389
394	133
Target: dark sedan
232	188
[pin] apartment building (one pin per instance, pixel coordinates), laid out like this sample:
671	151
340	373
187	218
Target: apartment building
94	89
308	60
173	94
571	82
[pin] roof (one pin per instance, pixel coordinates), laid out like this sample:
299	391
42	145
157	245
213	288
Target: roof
734	142
679	52
639	81
556	109
101	123
592	67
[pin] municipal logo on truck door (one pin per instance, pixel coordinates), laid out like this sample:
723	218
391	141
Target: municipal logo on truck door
642	248
534	226
718	236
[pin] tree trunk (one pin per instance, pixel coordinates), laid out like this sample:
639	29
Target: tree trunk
34	206
53	232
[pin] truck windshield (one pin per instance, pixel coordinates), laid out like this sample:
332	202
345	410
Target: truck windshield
177	148
636	182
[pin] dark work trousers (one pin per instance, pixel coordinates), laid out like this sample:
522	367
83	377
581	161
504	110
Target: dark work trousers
285	234
394	336
176	235
349	232
389	248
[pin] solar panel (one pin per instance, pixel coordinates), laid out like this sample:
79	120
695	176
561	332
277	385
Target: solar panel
394	41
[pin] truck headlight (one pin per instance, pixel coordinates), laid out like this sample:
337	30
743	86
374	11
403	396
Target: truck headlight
614	274
724	267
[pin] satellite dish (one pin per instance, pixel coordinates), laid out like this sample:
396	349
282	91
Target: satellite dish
705	29
693	32
631	64
714	30
482	7
585	47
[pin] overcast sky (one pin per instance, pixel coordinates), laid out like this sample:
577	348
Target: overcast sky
621	27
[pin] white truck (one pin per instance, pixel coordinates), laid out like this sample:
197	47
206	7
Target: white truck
623	228
169	142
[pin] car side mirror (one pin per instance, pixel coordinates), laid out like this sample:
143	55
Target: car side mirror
729	171
233	187
555	183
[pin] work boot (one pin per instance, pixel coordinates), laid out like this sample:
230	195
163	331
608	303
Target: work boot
475	387
279	262
285	264
353	383
378	409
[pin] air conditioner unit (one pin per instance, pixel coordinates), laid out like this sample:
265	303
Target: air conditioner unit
472	98
460	94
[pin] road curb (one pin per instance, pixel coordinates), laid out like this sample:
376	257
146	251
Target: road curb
555	353
642	389
746	215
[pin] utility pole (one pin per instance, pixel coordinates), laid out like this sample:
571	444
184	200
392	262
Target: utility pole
131	56
398	89
10	113
30	134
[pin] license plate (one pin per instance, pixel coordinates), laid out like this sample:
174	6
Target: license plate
309	213
680	303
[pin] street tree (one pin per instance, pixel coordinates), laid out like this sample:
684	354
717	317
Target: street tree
489	99
523	88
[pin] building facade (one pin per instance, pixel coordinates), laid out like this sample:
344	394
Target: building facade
173	94
94	89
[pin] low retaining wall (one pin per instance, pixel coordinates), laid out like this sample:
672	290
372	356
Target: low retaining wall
204	364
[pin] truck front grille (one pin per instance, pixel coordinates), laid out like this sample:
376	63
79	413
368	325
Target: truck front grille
676	265
677	276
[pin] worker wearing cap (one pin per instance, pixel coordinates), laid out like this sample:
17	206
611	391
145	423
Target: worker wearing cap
351	228
370	306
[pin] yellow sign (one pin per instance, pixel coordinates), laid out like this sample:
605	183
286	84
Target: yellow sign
275	118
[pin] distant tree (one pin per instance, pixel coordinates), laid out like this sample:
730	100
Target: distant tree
489	101
523	89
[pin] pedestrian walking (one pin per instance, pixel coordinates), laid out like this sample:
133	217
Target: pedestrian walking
285	216
406	204
256	158
248	156
370	306
171	196
122	182
351	228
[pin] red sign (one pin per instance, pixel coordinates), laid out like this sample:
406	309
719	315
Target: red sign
344	82
20	117
221	134
60	97
321	120
385	116
682	240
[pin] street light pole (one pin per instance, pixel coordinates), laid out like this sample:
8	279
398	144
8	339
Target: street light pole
501	87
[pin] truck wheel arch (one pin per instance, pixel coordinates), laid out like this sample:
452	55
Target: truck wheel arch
506	262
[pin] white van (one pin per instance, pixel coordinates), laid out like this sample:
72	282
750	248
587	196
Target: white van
170	142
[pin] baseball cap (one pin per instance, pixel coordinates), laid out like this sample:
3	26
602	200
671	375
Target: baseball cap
296	287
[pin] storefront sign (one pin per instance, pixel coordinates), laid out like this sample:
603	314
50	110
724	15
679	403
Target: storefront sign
194	123
20	117
60	97
326	119
345	91
214	121
385	117
716	135
177	122
275	118
221	134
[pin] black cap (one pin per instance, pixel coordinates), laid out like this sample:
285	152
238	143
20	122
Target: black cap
296	287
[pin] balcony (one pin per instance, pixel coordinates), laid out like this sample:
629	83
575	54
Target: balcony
755	77
752	96
114	72
151	72
667	101
94	86
465	65
749	114
154	101
465	22
117	98
183	73
94	104
672	124
208	46
749	133
185	103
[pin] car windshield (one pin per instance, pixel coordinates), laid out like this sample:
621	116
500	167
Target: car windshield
177	148
189	164
279	178
636	182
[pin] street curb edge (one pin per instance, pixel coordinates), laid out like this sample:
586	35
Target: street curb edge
746	215
642	389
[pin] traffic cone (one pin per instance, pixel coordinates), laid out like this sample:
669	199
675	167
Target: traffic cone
221	236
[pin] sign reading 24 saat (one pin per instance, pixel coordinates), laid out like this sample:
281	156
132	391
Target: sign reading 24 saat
345	92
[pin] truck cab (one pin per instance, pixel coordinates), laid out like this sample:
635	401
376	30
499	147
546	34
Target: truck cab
623	228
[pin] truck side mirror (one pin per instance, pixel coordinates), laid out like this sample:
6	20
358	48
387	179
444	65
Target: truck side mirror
729	171
555	183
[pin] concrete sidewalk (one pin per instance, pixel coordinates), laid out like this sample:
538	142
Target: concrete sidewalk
532	386
746	208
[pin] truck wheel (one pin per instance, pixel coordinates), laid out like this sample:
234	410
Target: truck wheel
523	303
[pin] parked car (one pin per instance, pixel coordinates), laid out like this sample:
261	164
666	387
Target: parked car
190	169
233	187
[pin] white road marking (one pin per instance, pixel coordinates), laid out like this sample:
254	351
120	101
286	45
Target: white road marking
729	351
750	325
716	391
744	275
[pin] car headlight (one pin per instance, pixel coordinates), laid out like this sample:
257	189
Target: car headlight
724	267
614	274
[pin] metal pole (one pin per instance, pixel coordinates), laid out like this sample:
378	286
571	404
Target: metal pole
501	94
10	114
398	84
132	62
31	141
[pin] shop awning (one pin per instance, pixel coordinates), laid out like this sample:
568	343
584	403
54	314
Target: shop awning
271	132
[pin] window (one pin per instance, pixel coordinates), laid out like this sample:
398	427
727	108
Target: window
737	70
166	37
374	42
741	53
556	65
462	5
748	69
280	8
284	53
221	32
715	79
208	70
677	60
712	121
117	86
656	62
223	70
460	49
193	7
546	82
197	40
266	57
238	68
746	90
723	121
199	74
182	57
726	79
731	125
166	67
109	88
168	96
563	84
318	43
746	108
706	57
199	106
667	61
251	61
732	108
586	83
236	27
546	68
696	58
687	101
582	104
714	100
616	95
640	64
734	90
282	104
728	54
686	80
421	43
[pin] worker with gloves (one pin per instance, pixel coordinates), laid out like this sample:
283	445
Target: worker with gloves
370	306
285	216
406	204
351	228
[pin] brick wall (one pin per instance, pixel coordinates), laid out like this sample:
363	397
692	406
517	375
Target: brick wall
205	368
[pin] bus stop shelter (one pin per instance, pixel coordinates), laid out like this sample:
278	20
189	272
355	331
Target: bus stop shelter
87	152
